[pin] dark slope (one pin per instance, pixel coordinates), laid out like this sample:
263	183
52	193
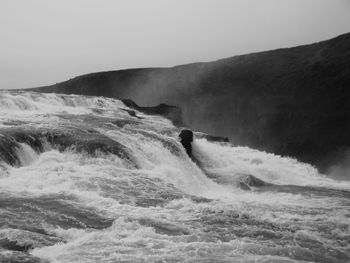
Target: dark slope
293	101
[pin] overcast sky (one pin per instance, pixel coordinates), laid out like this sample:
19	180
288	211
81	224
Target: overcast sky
48	41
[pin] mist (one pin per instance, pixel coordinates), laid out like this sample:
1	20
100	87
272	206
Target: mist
340	169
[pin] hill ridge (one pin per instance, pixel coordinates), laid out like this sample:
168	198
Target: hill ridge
290	101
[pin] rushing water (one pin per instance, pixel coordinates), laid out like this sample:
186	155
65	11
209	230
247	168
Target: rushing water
83	180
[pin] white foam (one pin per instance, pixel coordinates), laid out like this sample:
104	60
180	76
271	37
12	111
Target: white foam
26	154
227	160
33	106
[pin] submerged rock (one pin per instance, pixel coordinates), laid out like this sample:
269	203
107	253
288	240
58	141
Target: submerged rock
246	181
8	148
212	138
242	181
132	113
186	138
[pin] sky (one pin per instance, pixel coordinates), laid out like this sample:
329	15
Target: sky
47	41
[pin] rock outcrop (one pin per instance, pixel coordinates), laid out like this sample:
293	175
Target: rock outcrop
186	139
173	113
212	138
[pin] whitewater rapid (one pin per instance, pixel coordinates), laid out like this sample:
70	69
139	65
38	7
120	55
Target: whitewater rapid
83	180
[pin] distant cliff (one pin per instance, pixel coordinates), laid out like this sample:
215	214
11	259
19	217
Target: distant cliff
293	101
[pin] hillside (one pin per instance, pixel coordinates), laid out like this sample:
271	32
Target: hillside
293	101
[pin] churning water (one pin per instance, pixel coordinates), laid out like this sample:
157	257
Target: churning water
83	180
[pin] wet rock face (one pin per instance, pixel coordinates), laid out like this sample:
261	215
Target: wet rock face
186	138
8	150
173	113
212	138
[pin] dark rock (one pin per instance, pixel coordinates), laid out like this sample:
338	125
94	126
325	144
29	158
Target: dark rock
132	113
212	138
243	186
216	138
247	181
186	138
8	148
173	113
243	181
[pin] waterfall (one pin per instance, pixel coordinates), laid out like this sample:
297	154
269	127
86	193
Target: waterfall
83	180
